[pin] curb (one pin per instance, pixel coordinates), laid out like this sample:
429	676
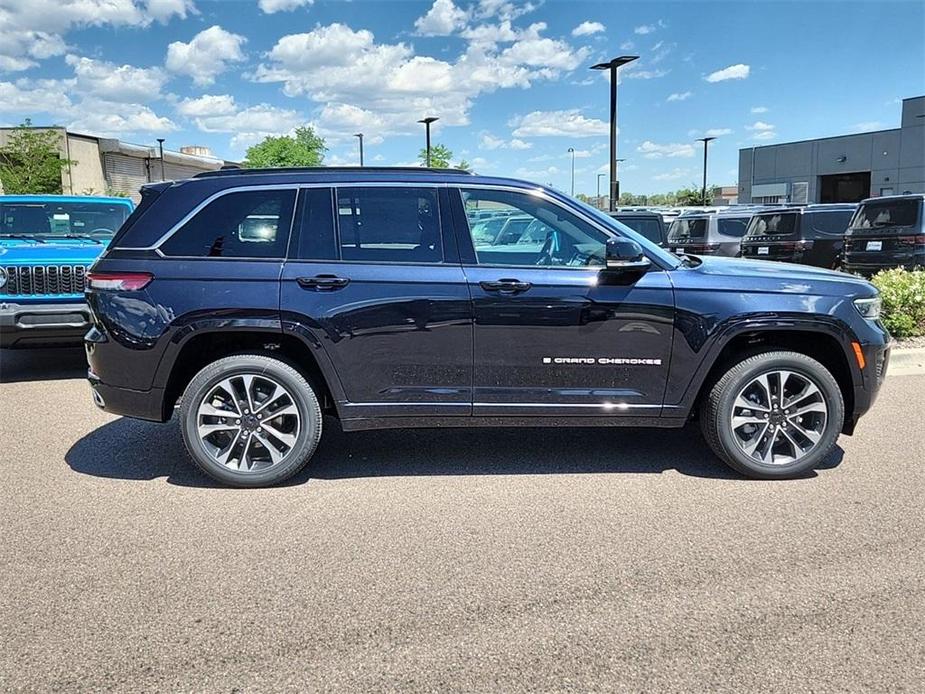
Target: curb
906	362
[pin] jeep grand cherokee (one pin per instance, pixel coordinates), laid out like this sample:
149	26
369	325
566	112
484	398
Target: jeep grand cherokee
253	302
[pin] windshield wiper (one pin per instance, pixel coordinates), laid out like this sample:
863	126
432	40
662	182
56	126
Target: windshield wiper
22	236
82	236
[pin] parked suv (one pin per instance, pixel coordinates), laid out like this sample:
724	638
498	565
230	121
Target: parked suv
47	243
885	233
645	222
811	234
362	293
709	232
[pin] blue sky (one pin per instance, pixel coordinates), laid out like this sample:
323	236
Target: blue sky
509	79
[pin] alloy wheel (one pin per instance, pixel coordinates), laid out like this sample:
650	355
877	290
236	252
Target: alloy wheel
248	422
779	417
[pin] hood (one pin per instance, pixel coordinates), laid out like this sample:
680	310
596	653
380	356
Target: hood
54	251
771	276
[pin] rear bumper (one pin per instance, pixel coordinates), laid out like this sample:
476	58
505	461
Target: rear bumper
872	268
33	325
141	404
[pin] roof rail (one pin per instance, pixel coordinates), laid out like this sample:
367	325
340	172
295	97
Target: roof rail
238	171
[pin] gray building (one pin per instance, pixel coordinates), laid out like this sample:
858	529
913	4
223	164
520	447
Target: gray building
847	168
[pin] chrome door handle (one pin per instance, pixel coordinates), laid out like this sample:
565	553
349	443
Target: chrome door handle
505	286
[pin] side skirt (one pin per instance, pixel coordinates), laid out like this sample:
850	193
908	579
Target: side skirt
367	423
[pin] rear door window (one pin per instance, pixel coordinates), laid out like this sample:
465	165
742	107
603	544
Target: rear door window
732	227
316	236
650	228
778	224
686	229
824	224
886	214
391	225
244	224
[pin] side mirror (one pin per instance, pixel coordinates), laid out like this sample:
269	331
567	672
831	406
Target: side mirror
626	255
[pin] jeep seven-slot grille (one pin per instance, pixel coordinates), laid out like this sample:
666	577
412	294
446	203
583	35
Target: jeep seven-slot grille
44	279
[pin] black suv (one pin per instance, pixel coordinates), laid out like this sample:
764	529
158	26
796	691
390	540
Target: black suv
256	301
645	222
885	233
810	234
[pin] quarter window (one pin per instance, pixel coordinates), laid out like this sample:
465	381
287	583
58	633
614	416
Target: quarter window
246	224
389	225
509	228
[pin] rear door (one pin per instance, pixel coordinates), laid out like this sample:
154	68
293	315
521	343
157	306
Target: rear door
374	282
885	233
550	338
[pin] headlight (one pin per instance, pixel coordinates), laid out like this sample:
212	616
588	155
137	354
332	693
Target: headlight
2	277
869	308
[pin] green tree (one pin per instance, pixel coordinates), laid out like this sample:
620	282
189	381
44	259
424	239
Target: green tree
305	148
694	196
440	156
30	162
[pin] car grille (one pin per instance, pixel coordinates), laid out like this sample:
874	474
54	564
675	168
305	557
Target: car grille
44	279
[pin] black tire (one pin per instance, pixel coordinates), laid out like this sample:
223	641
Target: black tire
302	396
717	409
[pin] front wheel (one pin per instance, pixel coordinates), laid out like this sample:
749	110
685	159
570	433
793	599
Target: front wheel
774	415
250	420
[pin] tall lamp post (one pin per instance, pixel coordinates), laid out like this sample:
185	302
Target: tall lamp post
427	121
160	147
706	143
571	150
599	187
613	65
359	136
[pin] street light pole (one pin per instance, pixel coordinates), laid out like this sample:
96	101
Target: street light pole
612	65
599	186
359	136
571	151
706	143
160	146
427	121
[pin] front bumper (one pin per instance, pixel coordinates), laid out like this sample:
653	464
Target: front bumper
34	325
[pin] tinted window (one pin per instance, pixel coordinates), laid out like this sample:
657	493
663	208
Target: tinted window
888	213
535	232
732	227
773	224
247	224
316	226
62	219
683	229
650	228
827	223
389	224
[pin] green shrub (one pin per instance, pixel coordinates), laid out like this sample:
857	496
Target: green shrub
903	294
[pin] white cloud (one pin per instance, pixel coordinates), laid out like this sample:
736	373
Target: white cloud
120	83
443	19
569	123
33	30
106	118
762	131
388	87
627	46
679	96
651	150
759	125
519	144
869	125
272	6
505	10
717	132
759	109
672	175
207	105
643	74
206	55
739	71
644	29
25	96
220	113
764	135
587	28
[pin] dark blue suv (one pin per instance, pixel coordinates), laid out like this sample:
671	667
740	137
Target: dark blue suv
256	301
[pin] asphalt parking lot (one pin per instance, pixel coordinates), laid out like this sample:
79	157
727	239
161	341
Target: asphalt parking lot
489	560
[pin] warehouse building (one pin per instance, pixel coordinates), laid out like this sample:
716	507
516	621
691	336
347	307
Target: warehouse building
847	168
105	166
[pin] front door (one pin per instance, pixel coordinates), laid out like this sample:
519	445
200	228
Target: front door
551	337
372	282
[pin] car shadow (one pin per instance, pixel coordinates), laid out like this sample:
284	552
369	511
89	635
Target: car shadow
25	365
136	450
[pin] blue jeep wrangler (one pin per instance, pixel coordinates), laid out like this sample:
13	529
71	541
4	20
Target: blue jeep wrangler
47	242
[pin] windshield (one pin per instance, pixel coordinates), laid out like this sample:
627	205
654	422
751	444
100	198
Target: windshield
886	213
684	229
733	227
772	224
621	229
61	219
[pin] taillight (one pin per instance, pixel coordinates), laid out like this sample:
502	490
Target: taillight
703	248
917	240
118	281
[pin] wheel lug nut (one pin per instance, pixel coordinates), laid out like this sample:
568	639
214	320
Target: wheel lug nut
237	421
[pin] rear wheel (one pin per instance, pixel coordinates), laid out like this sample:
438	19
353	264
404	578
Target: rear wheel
250	420
774	415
